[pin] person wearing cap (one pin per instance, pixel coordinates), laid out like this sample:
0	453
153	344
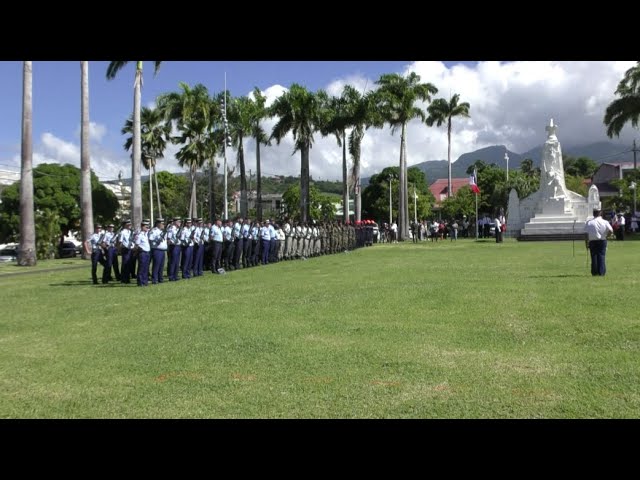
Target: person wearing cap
144	252
265	237
110	253
174	249
124	245
92	247
620	222
596	231
246	243
187	248
217	239
158	244
198	247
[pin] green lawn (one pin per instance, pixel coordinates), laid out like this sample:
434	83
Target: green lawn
446	330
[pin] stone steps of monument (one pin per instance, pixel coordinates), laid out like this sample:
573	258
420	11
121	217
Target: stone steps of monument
550	237
553	218
560	226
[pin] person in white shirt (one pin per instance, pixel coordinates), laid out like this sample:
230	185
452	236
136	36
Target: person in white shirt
596	231
498	229
394	232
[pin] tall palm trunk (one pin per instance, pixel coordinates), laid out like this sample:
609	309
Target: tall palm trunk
193	207
345	181
150	196
212	197
27	251
86	203
155	177
304	182
402	197
449	157
243	179
358	197
259	182
136	182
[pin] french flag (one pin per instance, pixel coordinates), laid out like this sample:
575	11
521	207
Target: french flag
472	182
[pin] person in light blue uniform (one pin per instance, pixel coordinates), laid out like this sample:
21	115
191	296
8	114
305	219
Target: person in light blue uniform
246	243
198	248
92	247
174	248
227	255
265	235
217	240
187	248
255	244
144	251
158	244
237	243
109	249
124	242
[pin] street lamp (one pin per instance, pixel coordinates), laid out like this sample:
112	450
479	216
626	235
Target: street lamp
506	157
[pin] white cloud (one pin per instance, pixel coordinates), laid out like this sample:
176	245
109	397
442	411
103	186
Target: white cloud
97	131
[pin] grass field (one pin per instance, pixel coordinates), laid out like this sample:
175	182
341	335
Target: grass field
447	330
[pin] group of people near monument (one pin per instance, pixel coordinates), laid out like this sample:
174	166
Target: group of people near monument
187	245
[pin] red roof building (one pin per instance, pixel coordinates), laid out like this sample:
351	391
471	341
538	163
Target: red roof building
439	187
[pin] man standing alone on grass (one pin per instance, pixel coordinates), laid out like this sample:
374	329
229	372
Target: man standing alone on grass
596	231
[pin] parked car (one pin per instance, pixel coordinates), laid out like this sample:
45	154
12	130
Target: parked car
9	252
68	250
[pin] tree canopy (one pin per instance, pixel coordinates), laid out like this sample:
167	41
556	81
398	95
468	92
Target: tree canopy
56	189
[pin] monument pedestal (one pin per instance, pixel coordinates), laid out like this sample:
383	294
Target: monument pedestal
553	212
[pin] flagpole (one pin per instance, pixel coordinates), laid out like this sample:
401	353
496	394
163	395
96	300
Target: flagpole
475	180
476	216
415	205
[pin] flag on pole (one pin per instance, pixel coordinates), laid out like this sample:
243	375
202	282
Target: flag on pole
472	182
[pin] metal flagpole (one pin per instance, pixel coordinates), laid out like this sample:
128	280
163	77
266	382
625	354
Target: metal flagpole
415	205
226	203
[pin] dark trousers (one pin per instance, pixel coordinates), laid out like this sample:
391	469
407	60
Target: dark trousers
143	268
110	261
598	249
174	262
237	251
198	262
246	252
96	257
265	251
125	276
255	252
187	253
217	256
228	254
157	270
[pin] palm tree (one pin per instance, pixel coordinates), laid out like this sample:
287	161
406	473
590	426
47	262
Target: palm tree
363	115
136	185
240	116
27	251
626	108
441	111
154	133
191	109
336	121
397	96
85	161
299	112
259	112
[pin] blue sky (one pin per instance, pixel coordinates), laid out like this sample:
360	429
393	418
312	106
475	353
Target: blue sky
511	103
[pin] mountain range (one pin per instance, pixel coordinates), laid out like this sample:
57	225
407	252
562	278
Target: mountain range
599	152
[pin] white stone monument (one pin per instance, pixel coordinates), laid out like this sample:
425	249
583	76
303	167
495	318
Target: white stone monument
553	212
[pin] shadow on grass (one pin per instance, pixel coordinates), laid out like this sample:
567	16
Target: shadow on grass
561	275
76	283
